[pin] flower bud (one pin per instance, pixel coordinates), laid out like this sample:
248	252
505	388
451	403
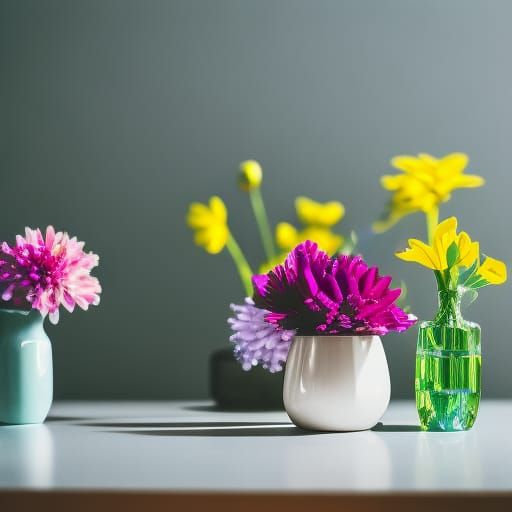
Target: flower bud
250	175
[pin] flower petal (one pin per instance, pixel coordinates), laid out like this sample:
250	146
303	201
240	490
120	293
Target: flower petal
494	271
452	164
421	253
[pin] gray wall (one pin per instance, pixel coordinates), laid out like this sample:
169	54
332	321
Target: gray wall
114	115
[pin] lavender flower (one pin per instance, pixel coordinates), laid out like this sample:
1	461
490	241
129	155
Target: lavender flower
256	340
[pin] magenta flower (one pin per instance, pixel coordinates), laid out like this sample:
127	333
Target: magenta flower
315	294
256	340
45	273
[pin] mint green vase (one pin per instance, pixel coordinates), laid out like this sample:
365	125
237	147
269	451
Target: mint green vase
26	369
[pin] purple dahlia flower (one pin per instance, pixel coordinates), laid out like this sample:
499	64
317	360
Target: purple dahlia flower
256	340
315	294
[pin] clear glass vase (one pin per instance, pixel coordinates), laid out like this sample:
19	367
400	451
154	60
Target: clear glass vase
448	364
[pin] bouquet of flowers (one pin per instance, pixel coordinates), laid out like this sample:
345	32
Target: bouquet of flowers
352	297
425	183
313	293
448	357
456	262
211	230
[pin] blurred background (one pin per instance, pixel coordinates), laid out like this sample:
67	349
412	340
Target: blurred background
114	115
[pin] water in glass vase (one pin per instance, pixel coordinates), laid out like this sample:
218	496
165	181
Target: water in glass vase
448	363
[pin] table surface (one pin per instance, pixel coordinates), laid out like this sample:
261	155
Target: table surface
192	447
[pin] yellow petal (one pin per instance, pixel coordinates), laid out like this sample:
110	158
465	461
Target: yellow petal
468	181
286	236
199	215
426	202
313	213
452	164
212	239
468	250
447	227
219	238
428	159
414	195
494	271
218	209
408	164
419	252
393	182
444	235
327	241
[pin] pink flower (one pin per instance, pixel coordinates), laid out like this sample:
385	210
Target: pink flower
45	273
312	293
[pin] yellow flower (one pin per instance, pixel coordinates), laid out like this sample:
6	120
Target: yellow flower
210	224
492	270
311	213
287	237
435	256
250	175
424	183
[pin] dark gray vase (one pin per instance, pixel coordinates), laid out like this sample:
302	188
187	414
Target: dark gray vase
235	389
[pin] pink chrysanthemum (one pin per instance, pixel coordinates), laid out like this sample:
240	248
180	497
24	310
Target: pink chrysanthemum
315	294
256	340
45	273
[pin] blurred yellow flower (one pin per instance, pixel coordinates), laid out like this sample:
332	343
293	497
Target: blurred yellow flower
287	237
312	213
424	183
210	224
492	270
250	176
436	256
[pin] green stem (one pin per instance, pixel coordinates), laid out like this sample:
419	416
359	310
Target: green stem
432	221
441	285
258	207
243	267
449	309
449	301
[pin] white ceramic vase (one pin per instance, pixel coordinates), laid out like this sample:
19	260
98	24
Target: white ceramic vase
336	383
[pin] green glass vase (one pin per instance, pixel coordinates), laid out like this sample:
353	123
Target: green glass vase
448	364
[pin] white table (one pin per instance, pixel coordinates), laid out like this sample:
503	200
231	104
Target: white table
188	451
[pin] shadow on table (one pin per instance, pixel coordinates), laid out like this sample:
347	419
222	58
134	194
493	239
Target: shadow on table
179	424
54	418
380	427
199	431
218	408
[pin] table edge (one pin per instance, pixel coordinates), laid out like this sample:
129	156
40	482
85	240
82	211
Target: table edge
128	501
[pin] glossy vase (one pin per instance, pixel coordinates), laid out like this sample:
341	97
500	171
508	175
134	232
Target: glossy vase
26	369
448	363
336	383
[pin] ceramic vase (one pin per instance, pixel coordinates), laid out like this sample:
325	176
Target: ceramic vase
26	369
336	383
